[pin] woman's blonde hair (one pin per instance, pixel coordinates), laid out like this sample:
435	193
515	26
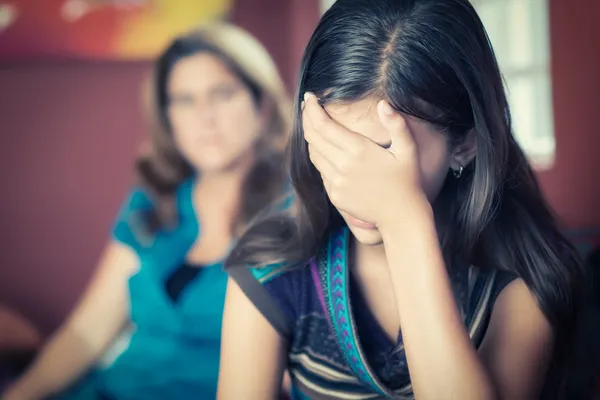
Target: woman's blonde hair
161	168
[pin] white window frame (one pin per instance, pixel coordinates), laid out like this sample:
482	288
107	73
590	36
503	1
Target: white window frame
520	34
325	4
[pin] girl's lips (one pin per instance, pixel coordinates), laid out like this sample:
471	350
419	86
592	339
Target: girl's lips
360	223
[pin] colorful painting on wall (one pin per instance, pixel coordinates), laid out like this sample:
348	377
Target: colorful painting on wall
98	29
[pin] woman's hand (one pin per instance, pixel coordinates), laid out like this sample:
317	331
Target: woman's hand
362	178
12	394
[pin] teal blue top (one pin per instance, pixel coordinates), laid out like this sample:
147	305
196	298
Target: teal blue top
174	350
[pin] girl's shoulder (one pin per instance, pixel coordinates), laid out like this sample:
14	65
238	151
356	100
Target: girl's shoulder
481	289
277	291
487	282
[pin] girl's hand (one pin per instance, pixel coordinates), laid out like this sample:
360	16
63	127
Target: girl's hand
363	179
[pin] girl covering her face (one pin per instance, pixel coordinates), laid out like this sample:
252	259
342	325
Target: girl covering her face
421	259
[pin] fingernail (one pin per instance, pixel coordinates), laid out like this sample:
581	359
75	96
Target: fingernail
307	95
302	106
386	108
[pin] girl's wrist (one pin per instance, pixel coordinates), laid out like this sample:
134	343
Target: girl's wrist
407	216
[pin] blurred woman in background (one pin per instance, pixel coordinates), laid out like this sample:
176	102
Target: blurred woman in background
219	126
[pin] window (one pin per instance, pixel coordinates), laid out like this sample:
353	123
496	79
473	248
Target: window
325	4
519	33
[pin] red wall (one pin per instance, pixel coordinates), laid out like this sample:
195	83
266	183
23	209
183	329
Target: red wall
283	26
573	184
69	131
68	134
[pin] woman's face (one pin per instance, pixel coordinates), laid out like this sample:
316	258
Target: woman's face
214	119
433	151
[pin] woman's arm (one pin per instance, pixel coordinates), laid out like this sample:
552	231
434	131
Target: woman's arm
17	332
97	319
252	352
443	362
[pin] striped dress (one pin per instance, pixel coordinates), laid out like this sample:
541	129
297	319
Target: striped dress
336	347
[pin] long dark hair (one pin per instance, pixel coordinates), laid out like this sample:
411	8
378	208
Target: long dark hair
430	59
161	168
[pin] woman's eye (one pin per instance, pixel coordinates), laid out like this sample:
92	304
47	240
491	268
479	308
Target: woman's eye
181	100
224	93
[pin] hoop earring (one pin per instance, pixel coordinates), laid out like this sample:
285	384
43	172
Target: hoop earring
458	172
